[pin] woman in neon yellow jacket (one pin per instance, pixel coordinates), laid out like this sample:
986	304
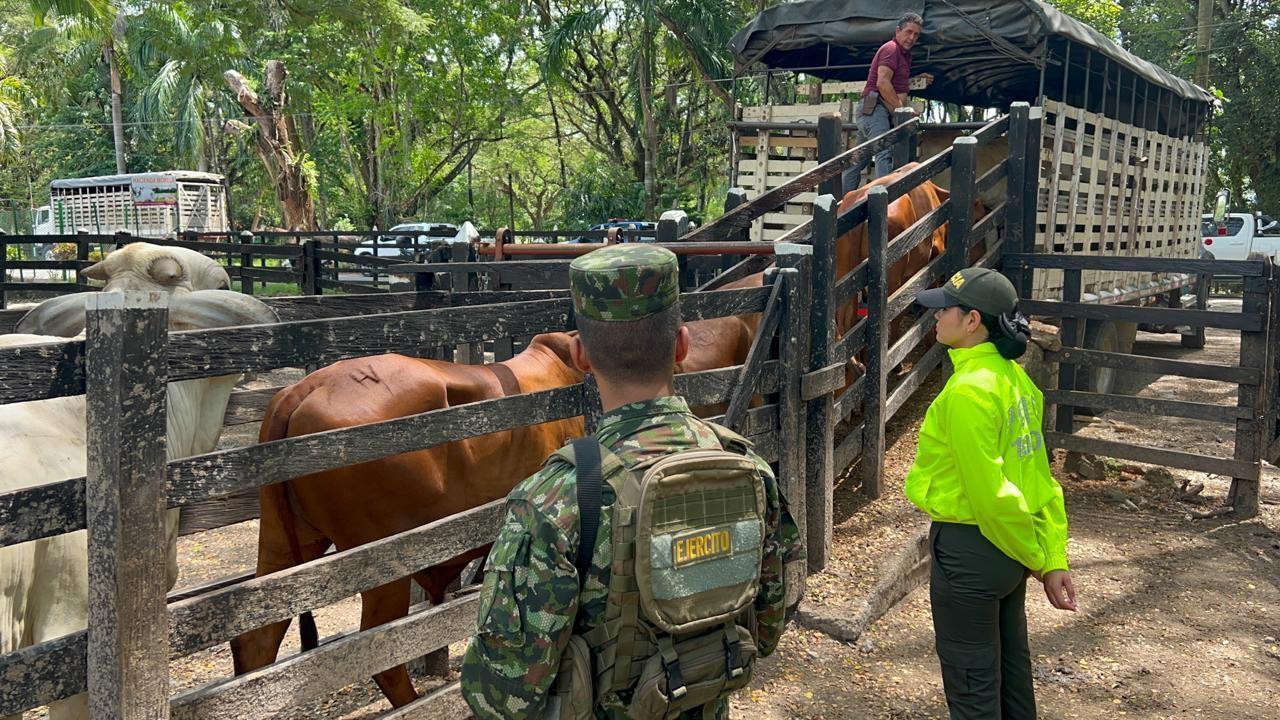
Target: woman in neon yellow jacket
982	474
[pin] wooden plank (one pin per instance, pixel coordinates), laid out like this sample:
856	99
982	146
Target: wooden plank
849	449
1152	315
745	386
1147	454
921	231
919	332
333	665
249	406
793	352
1250	445
873	437
126	338
40	674
914	379
820	418
41	511
1150	406
1168	265
206	620
218	512
741	216
230	471
1071	334
445	703
1155	365
310	307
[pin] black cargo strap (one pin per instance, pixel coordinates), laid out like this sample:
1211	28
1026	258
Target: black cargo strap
586	458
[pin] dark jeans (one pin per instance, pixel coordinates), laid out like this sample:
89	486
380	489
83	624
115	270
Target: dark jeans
870	126
978	595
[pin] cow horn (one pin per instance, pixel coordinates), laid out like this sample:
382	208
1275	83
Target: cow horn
165	270
217	308
62	316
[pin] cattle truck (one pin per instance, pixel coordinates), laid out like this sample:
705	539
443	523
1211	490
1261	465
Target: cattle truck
153	204
1122	149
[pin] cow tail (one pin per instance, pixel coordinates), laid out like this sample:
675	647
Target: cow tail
276	427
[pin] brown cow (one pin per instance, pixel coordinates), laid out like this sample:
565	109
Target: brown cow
361	503
344	507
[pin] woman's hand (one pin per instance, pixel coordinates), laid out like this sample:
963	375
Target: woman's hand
1059	589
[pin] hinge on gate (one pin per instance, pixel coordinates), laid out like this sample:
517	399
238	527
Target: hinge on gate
822	382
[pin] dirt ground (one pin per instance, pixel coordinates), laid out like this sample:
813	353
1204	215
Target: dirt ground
1179	617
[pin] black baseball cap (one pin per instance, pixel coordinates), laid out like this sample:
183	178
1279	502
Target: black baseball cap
984	290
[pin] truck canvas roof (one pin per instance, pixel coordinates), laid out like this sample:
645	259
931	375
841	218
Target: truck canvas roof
108	180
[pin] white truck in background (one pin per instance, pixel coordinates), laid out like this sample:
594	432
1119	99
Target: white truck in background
152	205
1240	235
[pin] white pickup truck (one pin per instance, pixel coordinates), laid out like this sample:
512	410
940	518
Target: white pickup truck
1239	235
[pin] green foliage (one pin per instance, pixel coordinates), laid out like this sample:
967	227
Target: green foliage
548	113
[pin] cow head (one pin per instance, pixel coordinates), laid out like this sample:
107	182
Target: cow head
196	284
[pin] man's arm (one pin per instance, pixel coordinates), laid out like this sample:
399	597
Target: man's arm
527	609
884	84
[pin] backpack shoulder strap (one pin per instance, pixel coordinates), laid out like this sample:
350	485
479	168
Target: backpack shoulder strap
730	440
586	452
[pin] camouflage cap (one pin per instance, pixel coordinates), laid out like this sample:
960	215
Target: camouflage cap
624	282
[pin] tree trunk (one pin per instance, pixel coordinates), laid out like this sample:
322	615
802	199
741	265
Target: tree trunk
117	116
277	144
649	145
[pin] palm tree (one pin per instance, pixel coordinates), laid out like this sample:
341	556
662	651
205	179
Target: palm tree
100	23
184	55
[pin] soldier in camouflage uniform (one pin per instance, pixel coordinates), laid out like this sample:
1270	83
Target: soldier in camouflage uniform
626	301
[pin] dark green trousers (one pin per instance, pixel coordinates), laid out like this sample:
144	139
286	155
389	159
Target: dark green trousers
978	596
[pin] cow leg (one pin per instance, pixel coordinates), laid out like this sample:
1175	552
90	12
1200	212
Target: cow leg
284	541
435	582
381	605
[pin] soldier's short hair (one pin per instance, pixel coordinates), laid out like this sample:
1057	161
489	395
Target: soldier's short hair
908	18
638	350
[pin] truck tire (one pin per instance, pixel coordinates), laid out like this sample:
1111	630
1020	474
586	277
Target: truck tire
1104	336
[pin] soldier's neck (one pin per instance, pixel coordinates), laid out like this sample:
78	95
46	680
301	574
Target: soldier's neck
614	395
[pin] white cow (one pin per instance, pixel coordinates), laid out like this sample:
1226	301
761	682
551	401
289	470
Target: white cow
44	583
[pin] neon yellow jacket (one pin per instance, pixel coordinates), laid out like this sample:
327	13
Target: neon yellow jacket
981	460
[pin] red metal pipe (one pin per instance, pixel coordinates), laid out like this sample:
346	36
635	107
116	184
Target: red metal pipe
692	248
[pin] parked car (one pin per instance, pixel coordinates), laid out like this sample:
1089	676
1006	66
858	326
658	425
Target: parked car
642	225
1238	235
400	240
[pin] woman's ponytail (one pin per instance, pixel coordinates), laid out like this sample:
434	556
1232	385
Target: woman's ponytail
1009	332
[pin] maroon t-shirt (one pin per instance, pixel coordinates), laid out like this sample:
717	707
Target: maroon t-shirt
890	55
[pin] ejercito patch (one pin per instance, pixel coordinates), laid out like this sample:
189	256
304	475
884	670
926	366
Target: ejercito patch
702	544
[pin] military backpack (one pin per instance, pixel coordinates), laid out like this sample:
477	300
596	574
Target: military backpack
687	539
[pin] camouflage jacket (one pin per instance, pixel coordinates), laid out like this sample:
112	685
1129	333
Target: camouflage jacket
531	603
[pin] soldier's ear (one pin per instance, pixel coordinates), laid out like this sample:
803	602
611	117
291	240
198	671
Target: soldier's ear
682	344
578	354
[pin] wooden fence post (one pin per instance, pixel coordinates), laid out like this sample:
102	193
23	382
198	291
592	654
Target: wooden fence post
127	369
902	148
1016	207
82	254
964	191
671	226
311	268
793	354
830	144
873	408
736	196
1031	192
1250	446
820	417
246	261
460	252
1070	336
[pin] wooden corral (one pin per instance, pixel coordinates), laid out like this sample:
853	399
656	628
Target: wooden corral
803	423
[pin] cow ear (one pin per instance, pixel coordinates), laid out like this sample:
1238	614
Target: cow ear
96	271
62	316
217	308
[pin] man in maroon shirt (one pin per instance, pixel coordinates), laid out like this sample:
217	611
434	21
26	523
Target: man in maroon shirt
889	74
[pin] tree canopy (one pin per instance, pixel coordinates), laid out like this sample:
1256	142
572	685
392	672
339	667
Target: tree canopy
541	113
